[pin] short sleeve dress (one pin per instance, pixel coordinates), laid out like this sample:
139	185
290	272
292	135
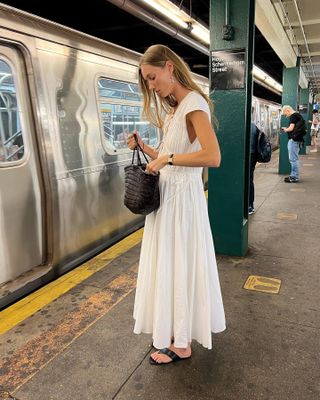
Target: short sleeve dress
315	124
178	291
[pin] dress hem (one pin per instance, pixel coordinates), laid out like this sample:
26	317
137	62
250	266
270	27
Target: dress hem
209	347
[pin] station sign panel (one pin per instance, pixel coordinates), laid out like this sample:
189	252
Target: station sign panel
228	69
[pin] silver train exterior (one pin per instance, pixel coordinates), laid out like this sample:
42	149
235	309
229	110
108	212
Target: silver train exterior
267	116
67	102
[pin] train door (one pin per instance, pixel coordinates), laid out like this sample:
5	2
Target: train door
268	125
21	214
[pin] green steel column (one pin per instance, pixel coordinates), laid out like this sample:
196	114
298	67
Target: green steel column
305	109
290	95
310	117
231	91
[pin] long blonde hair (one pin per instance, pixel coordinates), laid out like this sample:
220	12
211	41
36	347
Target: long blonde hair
153	105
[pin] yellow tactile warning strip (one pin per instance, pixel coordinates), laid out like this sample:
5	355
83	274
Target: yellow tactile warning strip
307	165
26	307
287	216
262	284
39	351
4	394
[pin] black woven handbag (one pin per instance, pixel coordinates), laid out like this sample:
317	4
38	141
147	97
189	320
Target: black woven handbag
141	194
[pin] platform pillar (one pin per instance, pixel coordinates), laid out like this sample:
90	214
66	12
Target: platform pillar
309	118
231	62
305	109
290	96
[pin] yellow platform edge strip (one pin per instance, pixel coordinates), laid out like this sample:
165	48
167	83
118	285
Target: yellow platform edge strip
18	312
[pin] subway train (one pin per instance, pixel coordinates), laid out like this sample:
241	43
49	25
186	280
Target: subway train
68	100
267	117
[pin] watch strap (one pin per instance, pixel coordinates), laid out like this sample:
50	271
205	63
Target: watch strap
170	159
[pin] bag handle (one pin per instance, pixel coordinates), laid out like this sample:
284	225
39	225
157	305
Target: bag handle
138	149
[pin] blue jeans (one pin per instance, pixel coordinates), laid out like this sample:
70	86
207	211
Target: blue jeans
253	162
293	150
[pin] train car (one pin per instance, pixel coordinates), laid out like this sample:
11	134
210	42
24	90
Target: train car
267	116
68	100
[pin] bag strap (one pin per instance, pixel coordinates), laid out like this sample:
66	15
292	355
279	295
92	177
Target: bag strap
138	149
135	150
258	137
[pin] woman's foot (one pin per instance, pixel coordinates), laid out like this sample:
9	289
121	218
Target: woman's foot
161	356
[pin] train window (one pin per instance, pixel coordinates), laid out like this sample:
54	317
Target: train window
11	141
118	90
120	112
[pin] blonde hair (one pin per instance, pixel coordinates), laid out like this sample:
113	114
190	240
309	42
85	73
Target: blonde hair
286	108
153	105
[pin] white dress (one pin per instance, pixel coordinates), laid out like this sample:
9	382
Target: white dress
178	290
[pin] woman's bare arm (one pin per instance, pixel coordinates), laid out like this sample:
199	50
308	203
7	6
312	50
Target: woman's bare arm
150	151
209	155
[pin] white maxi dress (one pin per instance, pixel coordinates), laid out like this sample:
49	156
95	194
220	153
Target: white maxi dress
178	291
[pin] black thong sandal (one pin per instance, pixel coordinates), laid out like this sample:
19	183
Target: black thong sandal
174	357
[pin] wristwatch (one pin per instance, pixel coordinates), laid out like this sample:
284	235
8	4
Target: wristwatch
170	159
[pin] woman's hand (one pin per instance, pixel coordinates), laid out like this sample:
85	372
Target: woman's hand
154	166
131	142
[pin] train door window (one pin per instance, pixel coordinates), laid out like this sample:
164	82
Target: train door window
267	125
120	114
275	121
11	140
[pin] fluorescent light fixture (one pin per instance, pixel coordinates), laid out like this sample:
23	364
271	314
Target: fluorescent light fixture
181	18
200	32
130	123
263	77
169	10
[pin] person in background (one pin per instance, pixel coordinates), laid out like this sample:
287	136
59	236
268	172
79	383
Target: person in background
253	162
314	129
294	143
178	296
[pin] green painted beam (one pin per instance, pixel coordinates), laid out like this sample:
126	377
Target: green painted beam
290	97
310	116
304	111
228	186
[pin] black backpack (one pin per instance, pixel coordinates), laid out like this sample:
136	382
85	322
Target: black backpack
263	150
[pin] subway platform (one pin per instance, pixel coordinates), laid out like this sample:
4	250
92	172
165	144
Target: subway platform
73	339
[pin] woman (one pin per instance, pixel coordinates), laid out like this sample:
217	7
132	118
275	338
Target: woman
178	294
314	129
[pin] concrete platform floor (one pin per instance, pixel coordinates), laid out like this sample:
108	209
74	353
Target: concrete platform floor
81	346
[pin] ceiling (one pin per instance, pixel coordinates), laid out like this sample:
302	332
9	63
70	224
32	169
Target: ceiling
301	21
102	19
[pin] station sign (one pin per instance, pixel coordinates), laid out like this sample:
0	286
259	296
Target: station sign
228	69
303	108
